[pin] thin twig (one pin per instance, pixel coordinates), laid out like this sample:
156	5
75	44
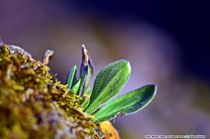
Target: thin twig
48	54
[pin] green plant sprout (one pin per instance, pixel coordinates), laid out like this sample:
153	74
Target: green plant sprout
100	101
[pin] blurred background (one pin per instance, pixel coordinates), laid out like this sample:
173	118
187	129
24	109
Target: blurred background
167	43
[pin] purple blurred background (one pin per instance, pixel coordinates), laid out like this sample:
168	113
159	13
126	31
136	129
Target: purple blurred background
167	42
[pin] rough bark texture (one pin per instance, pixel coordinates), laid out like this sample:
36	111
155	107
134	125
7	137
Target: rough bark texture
33	104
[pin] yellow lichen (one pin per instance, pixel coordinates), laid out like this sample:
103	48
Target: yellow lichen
33	104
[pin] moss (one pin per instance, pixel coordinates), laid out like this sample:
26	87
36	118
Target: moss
33	104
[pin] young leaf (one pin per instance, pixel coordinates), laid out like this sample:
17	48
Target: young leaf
86	70
72	77
126	104
108	83
85	102
75	88
88	91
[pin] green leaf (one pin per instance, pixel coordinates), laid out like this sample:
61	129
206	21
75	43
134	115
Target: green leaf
88	91
86	70
75	88
85	79
89	75
129	103
72	77
85	102
108	83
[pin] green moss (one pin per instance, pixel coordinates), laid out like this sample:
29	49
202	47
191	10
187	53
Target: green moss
33	104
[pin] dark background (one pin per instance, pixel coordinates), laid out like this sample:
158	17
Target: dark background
187	21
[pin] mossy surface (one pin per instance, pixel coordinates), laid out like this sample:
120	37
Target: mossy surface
33	104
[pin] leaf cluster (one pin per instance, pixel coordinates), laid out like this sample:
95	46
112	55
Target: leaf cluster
101	101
